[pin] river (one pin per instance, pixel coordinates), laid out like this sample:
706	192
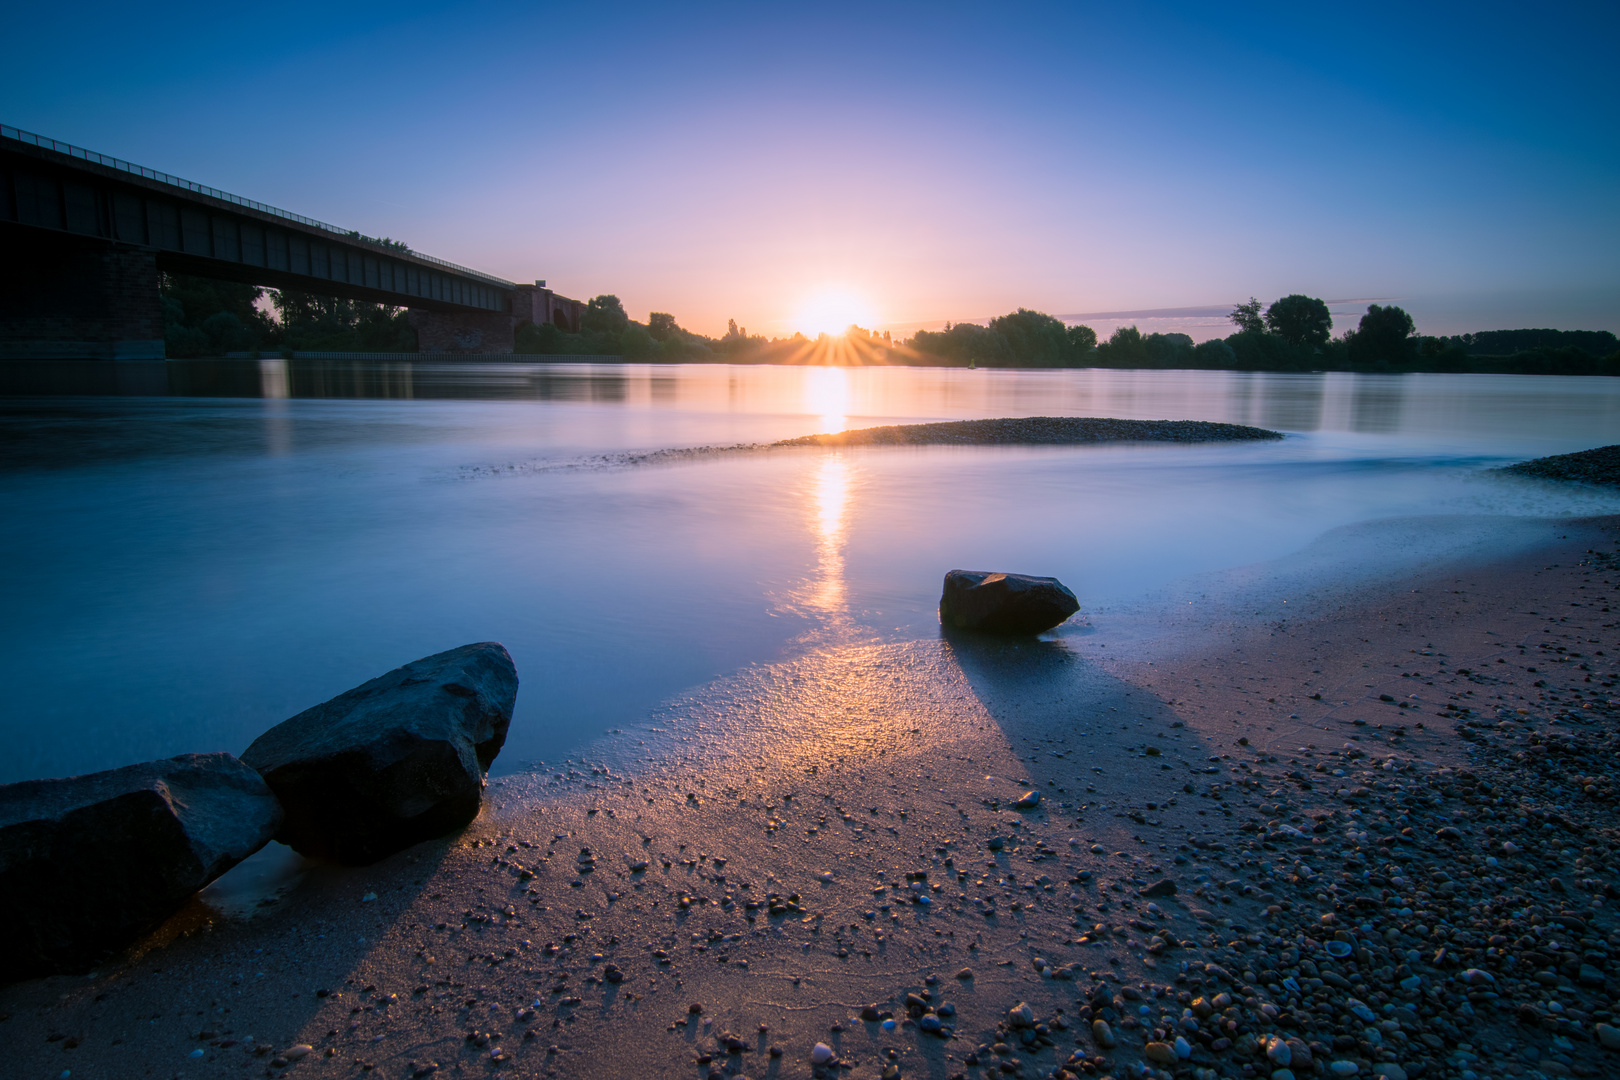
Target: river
194	551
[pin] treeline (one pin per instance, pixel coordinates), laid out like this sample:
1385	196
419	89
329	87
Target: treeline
1023	339
204	317
1293	334
606	329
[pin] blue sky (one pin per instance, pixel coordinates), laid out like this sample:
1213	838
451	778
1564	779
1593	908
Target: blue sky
937	161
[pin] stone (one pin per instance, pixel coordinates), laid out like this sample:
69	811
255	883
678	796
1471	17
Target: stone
820	1054
997	603
393	762
1029	800
1165	887
1102	1034
1389	1071
1608	1036
89	863
1160	1053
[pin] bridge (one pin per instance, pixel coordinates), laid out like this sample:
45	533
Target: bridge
86	237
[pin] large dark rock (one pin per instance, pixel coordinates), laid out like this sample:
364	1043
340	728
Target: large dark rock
1004	603
394	762
89	863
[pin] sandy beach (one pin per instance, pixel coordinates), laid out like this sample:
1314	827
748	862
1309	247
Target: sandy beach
1383	832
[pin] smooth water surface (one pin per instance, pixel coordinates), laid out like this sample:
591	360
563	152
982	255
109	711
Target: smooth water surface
195	551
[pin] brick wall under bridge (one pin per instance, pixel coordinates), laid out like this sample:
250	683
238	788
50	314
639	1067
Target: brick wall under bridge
479	332
537	304
66	298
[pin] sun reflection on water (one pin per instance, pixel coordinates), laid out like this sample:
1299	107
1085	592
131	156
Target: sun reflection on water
826	394
826	592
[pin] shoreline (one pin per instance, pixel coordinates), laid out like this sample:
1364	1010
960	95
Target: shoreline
875	763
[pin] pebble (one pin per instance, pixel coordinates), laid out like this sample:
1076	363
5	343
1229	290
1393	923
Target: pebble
820	1054
293	1053
1161	1053
1103	1034
1029	800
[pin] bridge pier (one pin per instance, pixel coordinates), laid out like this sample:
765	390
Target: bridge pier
65	298
463	331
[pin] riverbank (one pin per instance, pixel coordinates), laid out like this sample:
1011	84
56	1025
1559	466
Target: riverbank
803	840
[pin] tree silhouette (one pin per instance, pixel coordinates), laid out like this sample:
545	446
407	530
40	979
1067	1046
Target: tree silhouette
1300	320
1384	338
1246	317
605	315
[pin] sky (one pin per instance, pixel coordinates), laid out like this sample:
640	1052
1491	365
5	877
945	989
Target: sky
1110	163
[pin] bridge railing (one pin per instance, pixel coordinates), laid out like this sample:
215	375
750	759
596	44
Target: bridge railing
110	162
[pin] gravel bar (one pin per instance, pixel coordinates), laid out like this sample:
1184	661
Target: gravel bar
1038	430
1599	466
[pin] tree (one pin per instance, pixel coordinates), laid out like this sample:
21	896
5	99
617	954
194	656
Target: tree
1383	340
1035	338
604	315
661	325
328	323
1299	320
963	344
1125	348
205	317
1082	340
1246	317
635	342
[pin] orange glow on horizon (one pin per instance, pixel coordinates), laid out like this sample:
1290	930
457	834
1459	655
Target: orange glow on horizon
832	311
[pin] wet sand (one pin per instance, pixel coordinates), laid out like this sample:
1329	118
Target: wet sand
778	850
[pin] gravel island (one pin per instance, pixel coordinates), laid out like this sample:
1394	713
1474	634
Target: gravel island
1599	466
1038	430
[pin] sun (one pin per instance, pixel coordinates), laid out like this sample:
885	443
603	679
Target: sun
832	311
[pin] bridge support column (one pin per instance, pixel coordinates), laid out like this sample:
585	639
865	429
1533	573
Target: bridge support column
463	332
79	300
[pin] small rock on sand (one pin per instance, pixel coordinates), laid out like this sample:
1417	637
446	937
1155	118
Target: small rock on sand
998	603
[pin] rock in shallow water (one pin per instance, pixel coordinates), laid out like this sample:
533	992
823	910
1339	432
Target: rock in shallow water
393	762
89	863
997	603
